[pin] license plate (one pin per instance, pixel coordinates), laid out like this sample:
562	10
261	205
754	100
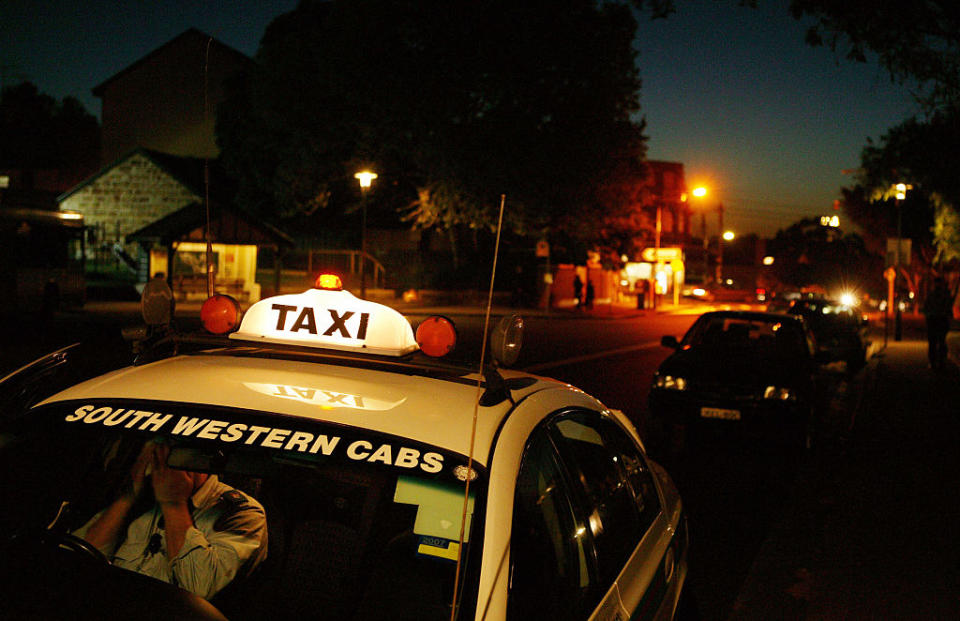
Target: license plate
720	413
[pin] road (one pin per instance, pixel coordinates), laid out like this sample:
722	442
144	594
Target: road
769	531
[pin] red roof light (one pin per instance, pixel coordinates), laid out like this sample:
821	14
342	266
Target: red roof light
220	314
436	336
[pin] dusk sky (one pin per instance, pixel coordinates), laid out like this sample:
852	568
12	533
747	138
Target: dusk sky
765	121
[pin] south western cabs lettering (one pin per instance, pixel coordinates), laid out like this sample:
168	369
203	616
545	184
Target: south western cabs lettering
279	438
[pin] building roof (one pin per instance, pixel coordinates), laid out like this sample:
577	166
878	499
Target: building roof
188	171
228	225
191	33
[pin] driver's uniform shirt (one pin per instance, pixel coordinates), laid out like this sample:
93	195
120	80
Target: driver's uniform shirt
229	535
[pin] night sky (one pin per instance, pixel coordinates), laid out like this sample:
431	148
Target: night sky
765	121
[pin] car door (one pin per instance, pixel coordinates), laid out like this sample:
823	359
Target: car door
585	501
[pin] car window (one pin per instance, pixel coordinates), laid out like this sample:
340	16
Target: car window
551	549
638	473
618	497
356	521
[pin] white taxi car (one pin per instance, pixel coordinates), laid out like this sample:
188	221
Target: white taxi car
394	485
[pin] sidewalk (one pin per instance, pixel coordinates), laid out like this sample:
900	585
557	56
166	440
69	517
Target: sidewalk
872	529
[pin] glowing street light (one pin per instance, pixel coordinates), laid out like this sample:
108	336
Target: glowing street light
365	177
728	235
700	192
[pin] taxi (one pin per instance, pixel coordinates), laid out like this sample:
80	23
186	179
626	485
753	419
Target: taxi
388	484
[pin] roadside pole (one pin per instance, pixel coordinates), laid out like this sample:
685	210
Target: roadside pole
891	275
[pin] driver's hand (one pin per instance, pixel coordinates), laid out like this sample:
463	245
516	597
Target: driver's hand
138	473
169	485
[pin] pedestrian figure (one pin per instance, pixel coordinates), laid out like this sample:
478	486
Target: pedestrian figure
590	292
641	294
577	289
938	308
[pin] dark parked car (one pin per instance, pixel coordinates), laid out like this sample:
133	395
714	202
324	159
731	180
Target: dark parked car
750	371
840	330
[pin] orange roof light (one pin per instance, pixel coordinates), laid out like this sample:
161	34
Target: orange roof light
436	336
328	282
220	314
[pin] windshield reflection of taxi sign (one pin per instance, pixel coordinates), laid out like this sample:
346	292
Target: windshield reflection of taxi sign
328	319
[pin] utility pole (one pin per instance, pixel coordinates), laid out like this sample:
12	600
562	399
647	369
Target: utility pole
656	245
706	246
720	244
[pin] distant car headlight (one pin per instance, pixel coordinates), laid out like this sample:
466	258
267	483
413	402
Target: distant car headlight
669	382
779	394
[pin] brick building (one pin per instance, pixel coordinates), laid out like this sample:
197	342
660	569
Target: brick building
666	187
144	206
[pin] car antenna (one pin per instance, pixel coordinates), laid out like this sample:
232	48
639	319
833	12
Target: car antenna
206	174
476	410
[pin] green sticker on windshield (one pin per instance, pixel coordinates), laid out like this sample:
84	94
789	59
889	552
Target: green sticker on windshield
439	507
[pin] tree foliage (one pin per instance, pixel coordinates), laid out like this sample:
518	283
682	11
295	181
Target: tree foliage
914	40
452	102
920	154
810	254
37	131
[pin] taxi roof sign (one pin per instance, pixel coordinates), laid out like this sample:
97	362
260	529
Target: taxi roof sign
328	319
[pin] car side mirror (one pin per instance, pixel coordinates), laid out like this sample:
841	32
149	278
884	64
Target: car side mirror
669	341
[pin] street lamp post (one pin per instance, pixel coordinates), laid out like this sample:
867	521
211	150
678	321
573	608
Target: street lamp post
365	177
700	192
898	326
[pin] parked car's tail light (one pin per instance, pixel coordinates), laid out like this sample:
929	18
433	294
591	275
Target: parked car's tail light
669	382
778	393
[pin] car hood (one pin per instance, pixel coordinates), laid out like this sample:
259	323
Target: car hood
734	367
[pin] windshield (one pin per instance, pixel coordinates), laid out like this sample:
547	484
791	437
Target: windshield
356	523
741	332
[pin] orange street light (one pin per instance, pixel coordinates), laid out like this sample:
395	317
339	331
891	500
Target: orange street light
700	192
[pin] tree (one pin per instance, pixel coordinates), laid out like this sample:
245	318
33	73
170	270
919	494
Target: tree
914	40
807	254
453	102
37	131
918	153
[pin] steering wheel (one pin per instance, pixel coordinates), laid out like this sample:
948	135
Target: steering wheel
65	541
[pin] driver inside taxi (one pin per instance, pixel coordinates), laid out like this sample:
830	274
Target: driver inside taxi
200	534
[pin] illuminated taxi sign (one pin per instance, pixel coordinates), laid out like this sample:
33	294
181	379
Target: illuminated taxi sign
328	319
